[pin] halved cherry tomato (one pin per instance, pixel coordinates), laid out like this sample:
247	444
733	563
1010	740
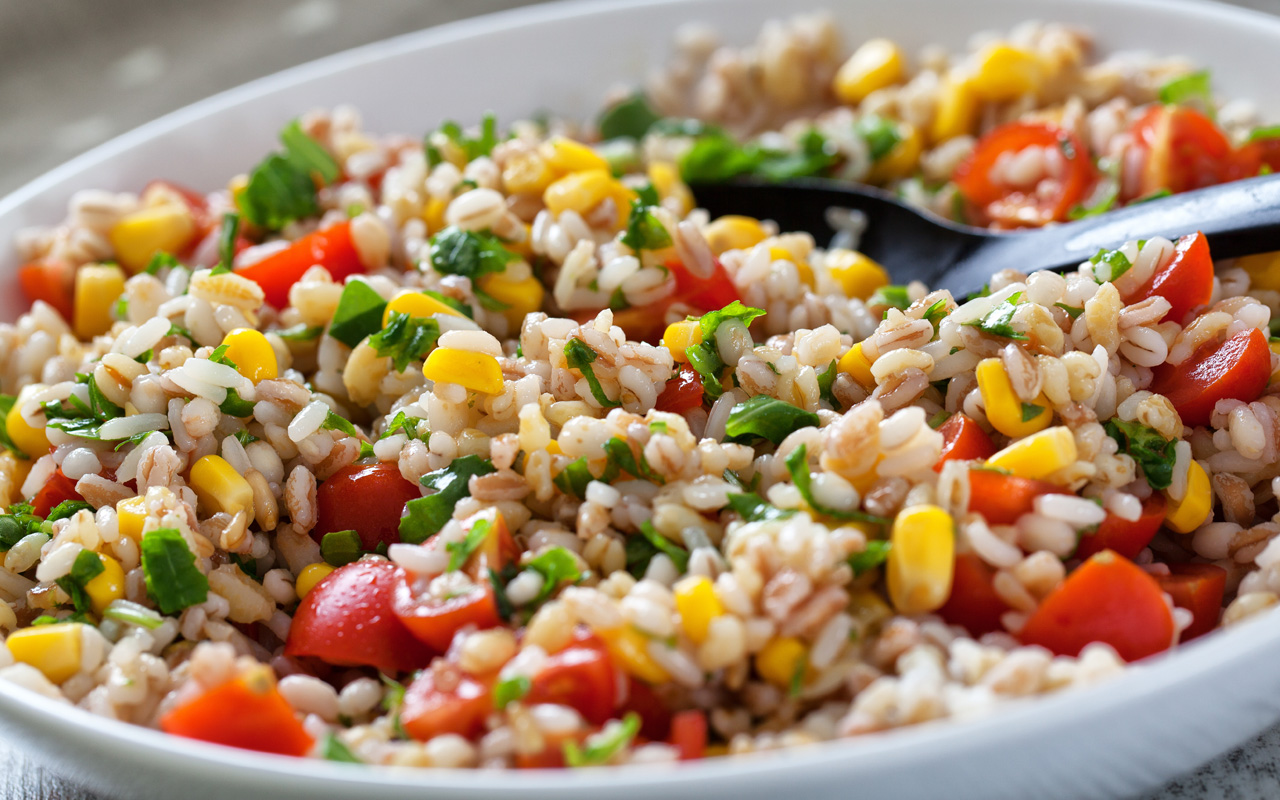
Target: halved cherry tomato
1125	537
1198	588
247	712
435	621
1250	159
330	248
57	489
644	323
1180	149
366	498
683	393
1107	599
1002	498
194	201
1236	369
430	711
51	281
655	719
706	294
963	440
580	676
689	734
347	620
1049	199
496	551
1186	281
974	603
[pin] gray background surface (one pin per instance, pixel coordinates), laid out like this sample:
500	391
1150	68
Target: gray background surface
74	73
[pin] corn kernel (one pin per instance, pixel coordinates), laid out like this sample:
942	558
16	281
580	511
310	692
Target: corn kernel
526	173
554	448
902	160
680	336
52	649
1005	411
733	232
956	112
418	304
780	659
1263	269
671	190
521	298
1006	73
97	289
107	586
630	650
131	513
875	65
858	365
219	487
802	266
252	354
1186	515
479	372
236	188
583	191
433	214
140	235
1038	455
565	155
921	556
857	275
697	604
310	576
29	439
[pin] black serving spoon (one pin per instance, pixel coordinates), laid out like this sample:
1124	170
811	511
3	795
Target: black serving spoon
1239	218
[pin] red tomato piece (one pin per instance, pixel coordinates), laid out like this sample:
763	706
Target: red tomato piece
655	719
1053	195
57	489
689	734
1002	498
430	711
347	620
1199	589
1249	160
1237	369
248	712
366	498
1180	149
706	294
1125	537
963	440
974	603
1186	281
580	676
1107	599
683	393
496	551
51	281
331	248
435	621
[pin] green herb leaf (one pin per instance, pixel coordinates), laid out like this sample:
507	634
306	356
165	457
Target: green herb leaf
754	508
359	313
161	260
425	516
412	427
243	437
1190	89
332	749
1072	311
1262	134
573	479
392	702
557	566
468	253
87	566
892	296
471	147
999	321
678	555
278	193
67	509
875	554
880	134
796	684
227	243
460	552
236	406
173	581
644	231
632	118
827	379
600	748
710	322
579	356
715	157
307	155
767	418
500	598
405	339
1153	453
133	614
619	452
814	156
457	305
339	548
302	332
509	690
1030	411
334	422
1109	265
798	466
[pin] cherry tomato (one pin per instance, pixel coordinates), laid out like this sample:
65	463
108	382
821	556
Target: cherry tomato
57	489
435	621
496	551
655	719
1237	369
1002	498
1249	160
1125	537
644	323
963	440
580	676
689	734
1107	599
1053	195
430	711
706	294
974	603
1179	148
347	620
1199	589
51	281
247	712
1186	281
366	498
683	393
331	248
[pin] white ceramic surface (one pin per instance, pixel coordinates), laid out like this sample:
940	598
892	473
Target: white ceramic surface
1158	720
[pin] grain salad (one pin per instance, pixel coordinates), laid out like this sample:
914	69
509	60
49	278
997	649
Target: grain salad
491	449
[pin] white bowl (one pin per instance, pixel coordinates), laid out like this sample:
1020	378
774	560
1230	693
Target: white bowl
1160	719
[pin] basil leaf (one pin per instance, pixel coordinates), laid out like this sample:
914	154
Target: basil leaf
620	454
573	479
405	339
557	566
631	118
87	566
173	580
359	313
998	322
307	155
1072	311
678	555
278	193
67	509
893	296
579	356
471	147
754	508
644	231
1153	453
332	749
468	253
334	422
708	323
161	260
880	134
227	243
768	418
1190	89
425	516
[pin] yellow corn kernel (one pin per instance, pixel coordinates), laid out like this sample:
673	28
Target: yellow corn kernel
733	232
1263	269
433	214
902	160
697	604
875	65
310	576
1005	411
857	275
252	354
418	304
1038	455
565	155
526	173
97	289
630	650
130	516
680	336
1006	73
108	585
802	266
780	659
1186	515
554	448
956	112
522	297
666	181
219	487
142	234
479	372
29	439
858	365
236	187
583	191
866	480
921	555
52	649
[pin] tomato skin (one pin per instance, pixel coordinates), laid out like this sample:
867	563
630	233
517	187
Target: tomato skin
1186	281
683	393
974	603
366	498
238	714
56	490
331	248
1107	599
434	622
429	711
1125	537
194	201
580	676
1181	149
1199	589
644	323
1237	369
1248	160
52	281
1001	498
963	440
689	734
1011	206
655	719
706	294
347	620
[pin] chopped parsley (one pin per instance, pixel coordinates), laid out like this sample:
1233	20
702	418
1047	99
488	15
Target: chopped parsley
580	357
798	466
405	339
892	296
644	231
754	508
468	253
1153	453
460	552
282	188
765	417
557	566
1191	89
173	580
601	747
359	313
87	566
471	147
412	427
632	118
880	134
1109	265
425	516
875	554
336	422
510	690
999	321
